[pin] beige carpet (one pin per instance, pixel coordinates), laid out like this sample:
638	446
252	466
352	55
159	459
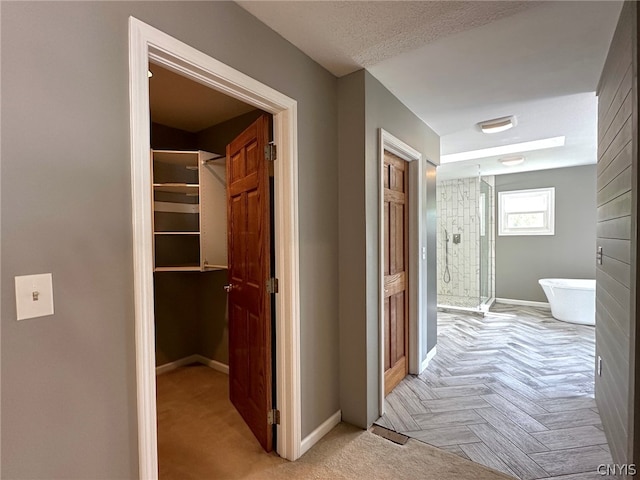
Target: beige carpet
201	436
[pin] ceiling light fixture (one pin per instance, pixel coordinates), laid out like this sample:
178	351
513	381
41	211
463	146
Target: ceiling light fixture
512	161
504	150
498	124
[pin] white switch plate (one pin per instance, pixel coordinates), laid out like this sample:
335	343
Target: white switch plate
30	287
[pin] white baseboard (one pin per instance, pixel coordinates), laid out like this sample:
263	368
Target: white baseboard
426	361
315	436
167	367
220	367
526	303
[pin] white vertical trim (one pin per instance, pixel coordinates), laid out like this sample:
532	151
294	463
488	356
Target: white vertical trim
427	360
149	44
142	251
396	146
315	436
0	280
289	434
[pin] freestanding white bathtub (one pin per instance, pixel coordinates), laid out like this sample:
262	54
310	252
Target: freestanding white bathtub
571	300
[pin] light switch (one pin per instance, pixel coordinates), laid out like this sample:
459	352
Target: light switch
34	296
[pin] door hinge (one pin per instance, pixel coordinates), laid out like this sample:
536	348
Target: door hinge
272	285
273	417
270	152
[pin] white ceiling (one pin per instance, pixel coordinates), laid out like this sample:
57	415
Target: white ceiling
455	64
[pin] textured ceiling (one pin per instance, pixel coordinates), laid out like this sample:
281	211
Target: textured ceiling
345	36
555	49
455	64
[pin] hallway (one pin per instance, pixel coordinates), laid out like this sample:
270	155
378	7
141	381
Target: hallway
202	436
513	391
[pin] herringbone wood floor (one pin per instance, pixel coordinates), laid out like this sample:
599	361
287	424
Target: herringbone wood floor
513	391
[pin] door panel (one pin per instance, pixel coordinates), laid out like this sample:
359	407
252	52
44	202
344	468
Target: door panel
616	282
396	311
249	237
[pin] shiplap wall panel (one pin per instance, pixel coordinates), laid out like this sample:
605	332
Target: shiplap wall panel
618	62
619	163
619	228
616	208
617	290
616	270
623	90
606	154
618	186
616	249
617	136
615	314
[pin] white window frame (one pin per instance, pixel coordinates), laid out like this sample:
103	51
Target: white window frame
549	213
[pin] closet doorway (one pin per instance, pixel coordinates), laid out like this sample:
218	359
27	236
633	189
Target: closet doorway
148	44
213	257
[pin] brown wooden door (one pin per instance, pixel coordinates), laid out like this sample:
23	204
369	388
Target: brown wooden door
249	269
396	292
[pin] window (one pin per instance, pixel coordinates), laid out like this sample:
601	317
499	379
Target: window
526	212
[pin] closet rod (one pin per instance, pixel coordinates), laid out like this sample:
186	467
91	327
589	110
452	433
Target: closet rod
219	157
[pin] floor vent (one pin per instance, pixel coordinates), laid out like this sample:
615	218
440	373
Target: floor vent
390	435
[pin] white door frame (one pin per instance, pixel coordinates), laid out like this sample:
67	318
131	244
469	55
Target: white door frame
149	44
396	146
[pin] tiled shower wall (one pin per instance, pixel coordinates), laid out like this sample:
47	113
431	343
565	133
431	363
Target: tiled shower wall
458	204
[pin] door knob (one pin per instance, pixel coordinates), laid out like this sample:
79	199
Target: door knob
228	288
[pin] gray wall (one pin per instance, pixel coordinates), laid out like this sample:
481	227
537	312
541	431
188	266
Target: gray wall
69	390
359	226
216	138
191	316
352	252
177	313
570	253
169	138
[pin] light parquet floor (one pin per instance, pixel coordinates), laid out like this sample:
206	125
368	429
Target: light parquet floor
513	391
